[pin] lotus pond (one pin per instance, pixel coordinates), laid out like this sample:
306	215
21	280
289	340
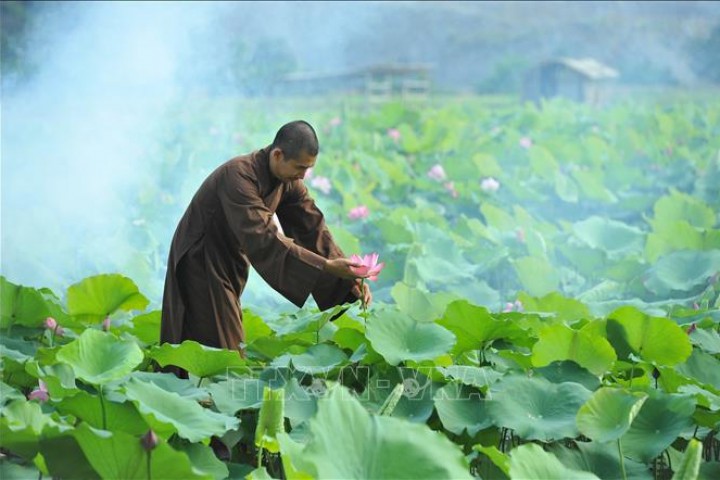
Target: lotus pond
549	308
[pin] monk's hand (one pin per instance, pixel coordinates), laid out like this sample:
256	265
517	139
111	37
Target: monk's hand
341	267
362	291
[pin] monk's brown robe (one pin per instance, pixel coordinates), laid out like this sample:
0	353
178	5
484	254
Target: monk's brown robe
229	226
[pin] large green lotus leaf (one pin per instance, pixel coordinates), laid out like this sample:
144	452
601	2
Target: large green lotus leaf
536	275
671	236
301	403
708	340
499	459
703	397
187	417
348	442
8	393
122	417
654	339
397	337
591	184
480	377
146	327
63	456
607	415
197	359
203	458
417	303
682	271
473	326
477	291
237	394
708	471
535	408
271	419
461	408
681	206
569	371
94	298
559	342
601	459
661	419
170	382
689	467
21	426
610	236
21	305
565	309
321	358
702	367
531	462
120	455
254	326
59	379
99	357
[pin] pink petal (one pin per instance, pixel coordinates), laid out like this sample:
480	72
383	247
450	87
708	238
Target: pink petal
360	271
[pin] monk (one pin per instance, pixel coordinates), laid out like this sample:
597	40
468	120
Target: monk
229	226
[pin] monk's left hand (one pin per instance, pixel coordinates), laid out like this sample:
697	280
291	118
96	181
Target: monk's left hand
365	295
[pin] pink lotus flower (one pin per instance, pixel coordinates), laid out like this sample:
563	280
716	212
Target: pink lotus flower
51	324
394	133
149	440
369	268
520	235
437	172
322	184
359	213
106	324
450	187
40	394
526	142
513	307
489	185
335	122
308	174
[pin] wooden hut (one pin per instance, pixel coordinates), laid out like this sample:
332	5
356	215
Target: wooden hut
578	79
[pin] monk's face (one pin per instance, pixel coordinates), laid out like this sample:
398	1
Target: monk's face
289	169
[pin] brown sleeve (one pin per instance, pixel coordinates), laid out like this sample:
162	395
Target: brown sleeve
303	221
288	268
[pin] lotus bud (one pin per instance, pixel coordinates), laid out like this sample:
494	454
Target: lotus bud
149	440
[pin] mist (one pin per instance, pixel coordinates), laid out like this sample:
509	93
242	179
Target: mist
79	134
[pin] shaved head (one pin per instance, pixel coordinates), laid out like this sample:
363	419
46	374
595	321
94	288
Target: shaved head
295	139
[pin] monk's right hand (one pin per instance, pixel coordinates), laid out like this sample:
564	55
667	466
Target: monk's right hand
340	267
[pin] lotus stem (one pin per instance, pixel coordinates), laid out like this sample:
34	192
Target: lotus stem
200	382
622	460
149	465
102	407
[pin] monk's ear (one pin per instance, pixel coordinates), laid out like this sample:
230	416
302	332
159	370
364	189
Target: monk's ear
277	153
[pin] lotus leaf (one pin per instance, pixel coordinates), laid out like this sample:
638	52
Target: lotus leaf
94	298
98	358
535	408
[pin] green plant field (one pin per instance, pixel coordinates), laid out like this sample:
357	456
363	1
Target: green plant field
550	307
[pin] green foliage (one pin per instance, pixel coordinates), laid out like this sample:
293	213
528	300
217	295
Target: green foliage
578	300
